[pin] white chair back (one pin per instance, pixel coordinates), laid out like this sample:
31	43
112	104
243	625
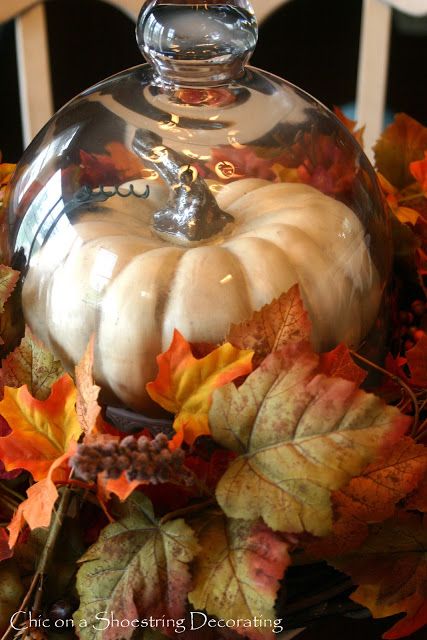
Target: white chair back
34	68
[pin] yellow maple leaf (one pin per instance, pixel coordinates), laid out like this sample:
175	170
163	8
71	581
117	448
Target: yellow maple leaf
41	430
184	384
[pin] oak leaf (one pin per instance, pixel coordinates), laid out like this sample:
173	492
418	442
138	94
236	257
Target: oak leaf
87	407
403	142
372	497
8	279
338	363
299	436
236	576
184	384
269	329
33	365
137	568
391	571
42	430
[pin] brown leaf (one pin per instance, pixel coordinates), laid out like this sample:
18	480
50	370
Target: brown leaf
417	362
372	497
32	364
282	321
87	407
403	142
8	279
391	571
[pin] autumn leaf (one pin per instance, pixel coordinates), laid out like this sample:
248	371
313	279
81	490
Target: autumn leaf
418	499
8	279
418	170
33	365
184	384
114	167
372	497
138	568
283	320
339	364
5	550
391	571
299	436
394	198
403	142
87	407
417	362
351	125
121	487
236	575
42	430
37	509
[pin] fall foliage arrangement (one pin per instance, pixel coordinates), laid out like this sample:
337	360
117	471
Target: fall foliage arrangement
278	459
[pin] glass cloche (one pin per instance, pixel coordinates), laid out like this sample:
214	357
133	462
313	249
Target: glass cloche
185	194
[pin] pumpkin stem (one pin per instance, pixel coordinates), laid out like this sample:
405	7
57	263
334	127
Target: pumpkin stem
191	214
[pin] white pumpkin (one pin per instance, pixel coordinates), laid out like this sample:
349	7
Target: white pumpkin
115	277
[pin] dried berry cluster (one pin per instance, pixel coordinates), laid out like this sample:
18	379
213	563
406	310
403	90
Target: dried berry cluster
141	459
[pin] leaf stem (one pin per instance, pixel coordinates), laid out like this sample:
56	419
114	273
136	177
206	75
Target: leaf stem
194	508
398	381
37	581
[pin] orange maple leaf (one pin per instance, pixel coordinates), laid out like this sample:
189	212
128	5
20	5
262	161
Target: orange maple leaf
184	384
41	430
37	509
393	198
419	171
403	142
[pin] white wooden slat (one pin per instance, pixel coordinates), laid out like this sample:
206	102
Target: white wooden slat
10	9
373	69
410	7
34	71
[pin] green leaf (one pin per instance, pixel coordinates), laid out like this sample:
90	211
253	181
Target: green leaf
138	568
300	435
236	575
32	364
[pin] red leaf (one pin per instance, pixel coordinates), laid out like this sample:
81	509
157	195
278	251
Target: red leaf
339	364
417	362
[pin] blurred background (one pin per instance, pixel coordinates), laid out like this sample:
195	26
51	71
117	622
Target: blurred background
310	43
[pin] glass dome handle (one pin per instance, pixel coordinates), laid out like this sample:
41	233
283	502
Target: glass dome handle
191	43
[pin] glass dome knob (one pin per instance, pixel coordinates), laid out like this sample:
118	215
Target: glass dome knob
191	43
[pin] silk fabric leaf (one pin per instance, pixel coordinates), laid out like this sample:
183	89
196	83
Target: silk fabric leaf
299	436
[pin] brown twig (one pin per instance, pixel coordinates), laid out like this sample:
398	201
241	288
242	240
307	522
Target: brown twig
398	381
45	557
194	508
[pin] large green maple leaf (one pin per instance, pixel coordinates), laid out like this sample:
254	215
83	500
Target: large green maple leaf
237	574
300	434
138	568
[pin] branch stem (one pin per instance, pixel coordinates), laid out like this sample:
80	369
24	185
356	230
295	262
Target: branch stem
398	381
